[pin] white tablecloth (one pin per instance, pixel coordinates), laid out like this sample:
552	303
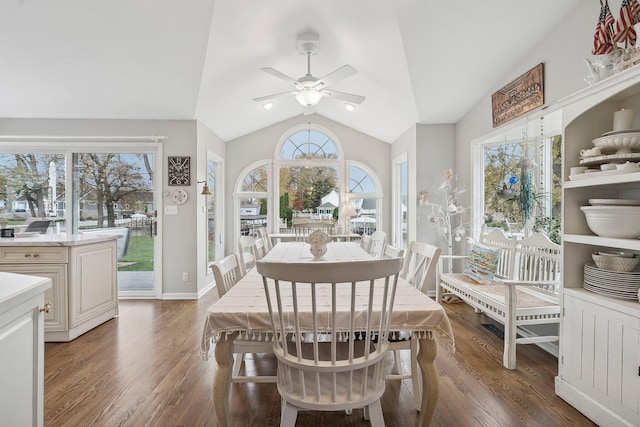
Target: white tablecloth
243	309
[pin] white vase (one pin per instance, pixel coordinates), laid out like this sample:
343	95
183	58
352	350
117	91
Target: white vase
318	250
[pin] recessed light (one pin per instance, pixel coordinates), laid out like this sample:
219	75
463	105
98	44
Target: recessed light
268	105
349	107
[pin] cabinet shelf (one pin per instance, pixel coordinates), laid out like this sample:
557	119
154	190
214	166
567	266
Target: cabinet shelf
603	180
630	244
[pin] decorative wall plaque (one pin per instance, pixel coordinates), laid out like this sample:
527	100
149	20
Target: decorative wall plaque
179	170
518	97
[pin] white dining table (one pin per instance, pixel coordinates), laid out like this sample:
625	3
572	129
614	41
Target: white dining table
242	313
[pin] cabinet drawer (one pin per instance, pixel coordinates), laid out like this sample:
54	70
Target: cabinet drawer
33	254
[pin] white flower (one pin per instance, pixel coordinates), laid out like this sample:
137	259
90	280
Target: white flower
318	236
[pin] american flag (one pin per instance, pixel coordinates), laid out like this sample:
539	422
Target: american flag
635	9
603	37
624	26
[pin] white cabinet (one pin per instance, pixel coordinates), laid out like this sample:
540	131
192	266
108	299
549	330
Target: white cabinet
22	305
599	358
84	277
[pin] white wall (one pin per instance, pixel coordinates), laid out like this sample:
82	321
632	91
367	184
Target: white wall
260	145
435	154
562	52
178	234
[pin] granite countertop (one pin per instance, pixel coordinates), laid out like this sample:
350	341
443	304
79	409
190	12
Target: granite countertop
60	239
17	288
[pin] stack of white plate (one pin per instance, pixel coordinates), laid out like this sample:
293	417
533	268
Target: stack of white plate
616	284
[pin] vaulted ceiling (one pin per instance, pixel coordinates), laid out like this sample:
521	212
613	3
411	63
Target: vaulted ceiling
417	61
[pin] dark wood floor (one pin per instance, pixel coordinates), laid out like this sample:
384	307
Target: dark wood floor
144	369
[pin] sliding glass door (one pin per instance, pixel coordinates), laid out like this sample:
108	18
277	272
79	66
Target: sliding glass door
114	191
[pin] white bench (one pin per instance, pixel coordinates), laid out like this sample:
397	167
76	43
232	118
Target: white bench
524	292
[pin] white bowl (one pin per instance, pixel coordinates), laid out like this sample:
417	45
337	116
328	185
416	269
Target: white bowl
622	222
617	202
621	143
615	263
617	254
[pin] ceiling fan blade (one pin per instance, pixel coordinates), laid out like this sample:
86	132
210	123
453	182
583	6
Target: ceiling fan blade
349	97
339	74
280	75
275	95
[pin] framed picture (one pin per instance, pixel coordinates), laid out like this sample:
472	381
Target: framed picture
179	170
518	97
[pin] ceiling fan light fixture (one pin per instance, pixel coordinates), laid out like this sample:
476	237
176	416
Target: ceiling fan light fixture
309	97
268	105
349	107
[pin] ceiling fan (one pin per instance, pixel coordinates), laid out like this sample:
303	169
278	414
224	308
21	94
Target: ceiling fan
309	90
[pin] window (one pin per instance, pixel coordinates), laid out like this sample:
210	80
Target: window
83	187
310	181
364	197
520	179
32	185
400	194
308	144
253	203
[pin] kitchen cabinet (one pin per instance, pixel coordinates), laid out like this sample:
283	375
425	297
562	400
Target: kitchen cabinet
22	310
83	271
599	355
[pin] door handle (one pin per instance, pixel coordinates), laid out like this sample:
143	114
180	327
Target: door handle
47	307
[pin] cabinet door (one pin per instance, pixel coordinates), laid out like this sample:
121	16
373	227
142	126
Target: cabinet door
93	281
601	355
57	317
22	364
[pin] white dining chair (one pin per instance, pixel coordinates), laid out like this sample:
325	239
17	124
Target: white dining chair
390	251
246	247
303	229
227	272
420	265
259	249
347	371
365	242
378	239
264	235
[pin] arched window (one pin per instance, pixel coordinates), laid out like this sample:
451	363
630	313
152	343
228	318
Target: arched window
252	199
308	144
310	179
256	181
363	193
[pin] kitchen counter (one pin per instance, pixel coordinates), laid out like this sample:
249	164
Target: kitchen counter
84	274
60	239
22	311
17	288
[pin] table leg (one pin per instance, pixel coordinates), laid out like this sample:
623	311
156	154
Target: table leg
426	356
222	378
